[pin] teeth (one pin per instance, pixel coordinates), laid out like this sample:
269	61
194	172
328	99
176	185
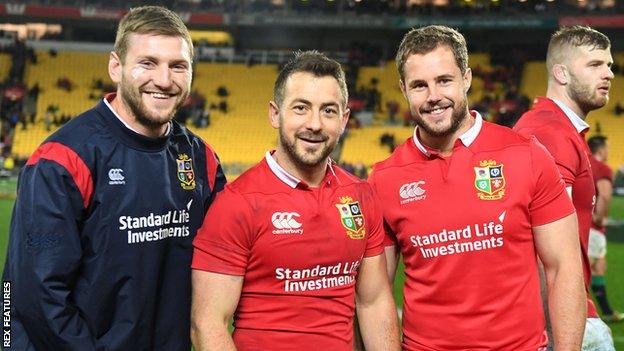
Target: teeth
160	95
437	110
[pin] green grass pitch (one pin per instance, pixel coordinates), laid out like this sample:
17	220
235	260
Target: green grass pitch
615	257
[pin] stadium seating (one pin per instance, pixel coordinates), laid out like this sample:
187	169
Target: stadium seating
5	66
478	61
363	145
388	85
534	79
243	134
80	68
26	141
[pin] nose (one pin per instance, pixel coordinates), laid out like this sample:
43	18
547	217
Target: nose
434	95
162	77
314	122
609	74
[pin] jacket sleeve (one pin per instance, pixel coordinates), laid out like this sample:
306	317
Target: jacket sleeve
216	176
45	250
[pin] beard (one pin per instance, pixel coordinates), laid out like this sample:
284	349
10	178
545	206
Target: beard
587	98
132	96
307	157
457	117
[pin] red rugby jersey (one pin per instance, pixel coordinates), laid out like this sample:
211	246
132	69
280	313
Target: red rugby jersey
563	135
299	249
600	170
464	227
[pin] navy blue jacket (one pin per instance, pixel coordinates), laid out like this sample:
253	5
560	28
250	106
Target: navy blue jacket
101	237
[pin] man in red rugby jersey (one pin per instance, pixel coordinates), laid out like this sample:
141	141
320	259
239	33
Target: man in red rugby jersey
579	78
597	246
470	205
295	241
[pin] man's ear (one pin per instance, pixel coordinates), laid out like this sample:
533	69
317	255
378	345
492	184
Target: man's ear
274	114
560	73
345	119
467	79
114	67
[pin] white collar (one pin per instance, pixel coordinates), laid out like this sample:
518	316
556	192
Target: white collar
283	175
579	124
124	122
467	138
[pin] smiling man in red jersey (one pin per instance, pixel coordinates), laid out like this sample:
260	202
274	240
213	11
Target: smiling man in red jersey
470	205
297	240
579	77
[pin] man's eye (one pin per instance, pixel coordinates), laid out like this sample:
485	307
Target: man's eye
147	64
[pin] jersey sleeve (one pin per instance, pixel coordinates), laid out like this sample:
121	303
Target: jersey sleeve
45	250
375	238
563	151
224	241
389	238
602	171
550	201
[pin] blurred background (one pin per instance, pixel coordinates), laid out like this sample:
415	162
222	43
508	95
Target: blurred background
54	54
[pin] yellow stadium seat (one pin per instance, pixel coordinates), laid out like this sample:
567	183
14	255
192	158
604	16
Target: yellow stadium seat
5	66
363	145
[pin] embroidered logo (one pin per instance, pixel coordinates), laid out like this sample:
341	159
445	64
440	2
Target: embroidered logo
286	223
186	176
412	192
115	176
351	217
489	180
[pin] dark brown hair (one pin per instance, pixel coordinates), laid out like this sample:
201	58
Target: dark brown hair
311	62
426	39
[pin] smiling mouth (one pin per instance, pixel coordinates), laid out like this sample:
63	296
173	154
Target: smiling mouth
437	110
159	95
312	141
312	138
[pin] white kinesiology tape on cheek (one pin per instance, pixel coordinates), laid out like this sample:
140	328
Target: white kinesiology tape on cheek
137	71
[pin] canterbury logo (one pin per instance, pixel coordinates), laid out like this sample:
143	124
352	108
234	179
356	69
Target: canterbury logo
412	190
115	176
285	220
